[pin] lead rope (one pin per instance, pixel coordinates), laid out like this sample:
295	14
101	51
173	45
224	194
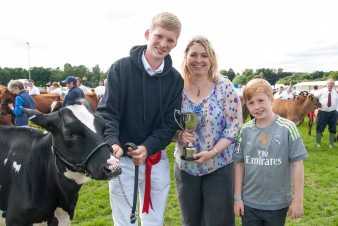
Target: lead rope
134	213
124	193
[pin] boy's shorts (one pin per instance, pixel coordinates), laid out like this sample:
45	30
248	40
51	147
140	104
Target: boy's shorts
257	217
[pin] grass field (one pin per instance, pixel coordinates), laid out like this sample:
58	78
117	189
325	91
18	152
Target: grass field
320	191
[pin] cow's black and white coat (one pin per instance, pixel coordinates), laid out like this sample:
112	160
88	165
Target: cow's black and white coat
36	186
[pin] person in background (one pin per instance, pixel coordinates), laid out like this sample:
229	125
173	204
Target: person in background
205	185
74	92
23	99
294	91
33	90
327	114
55	88
142	93
314	90
79	84
240	90
268	163
100	90
278	94
287	94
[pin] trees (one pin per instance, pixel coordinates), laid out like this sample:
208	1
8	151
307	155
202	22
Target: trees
91	77
43	76
230	74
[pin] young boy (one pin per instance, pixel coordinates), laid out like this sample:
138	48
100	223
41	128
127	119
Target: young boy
269	154
143	91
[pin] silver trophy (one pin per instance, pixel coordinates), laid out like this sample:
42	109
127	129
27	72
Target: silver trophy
189	122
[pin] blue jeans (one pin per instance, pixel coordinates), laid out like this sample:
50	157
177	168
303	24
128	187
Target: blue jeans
257	217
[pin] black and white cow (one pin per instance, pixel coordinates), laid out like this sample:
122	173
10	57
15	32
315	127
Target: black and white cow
41	173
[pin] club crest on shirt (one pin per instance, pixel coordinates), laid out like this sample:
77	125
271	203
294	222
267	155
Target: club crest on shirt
263	140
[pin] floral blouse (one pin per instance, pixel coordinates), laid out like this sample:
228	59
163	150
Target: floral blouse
220	117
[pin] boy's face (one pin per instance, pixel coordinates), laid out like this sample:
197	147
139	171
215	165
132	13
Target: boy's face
161	42
260	106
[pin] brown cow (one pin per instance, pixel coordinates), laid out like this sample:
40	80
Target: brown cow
295	110
43	101
6	97
2	88
90	96
5	119
93	99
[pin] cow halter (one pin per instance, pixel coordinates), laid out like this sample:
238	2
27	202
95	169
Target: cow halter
80	167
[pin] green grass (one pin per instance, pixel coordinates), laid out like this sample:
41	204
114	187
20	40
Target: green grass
320	191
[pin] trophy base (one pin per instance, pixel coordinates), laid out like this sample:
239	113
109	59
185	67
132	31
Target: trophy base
187	158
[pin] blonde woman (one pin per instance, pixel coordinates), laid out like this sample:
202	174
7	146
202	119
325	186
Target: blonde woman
205	185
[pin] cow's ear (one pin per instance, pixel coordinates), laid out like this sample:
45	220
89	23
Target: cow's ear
41	119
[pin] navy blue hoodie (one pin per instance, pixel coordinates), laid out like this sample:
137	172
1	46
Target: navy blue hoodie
139	108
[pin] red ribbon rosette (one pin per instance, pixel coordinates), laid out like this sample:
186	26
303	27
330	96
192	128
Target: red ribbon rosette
151	160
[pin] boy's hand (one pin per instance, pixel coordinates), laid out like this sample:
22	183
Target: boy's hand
139	155
239	208
118	152
296	210
187	137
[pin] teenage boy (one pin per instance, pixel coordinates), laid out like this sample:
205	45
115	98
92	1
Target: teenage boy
143	91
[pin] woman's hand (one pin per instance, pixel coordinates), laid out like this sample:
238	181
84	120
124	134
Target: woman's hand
203	156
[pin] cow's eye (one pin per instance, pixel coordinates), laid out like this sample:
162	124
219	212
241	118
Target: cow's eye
71	136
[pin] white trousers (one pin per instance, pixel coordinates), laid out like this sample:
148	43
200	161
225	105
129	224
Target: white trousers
160	184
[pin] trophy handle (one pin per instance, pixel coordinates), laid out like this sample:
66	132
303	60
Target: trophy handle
177	111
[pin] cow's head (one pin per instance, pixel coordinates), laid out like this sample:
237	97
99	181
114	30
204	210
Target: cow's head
314	100
6	97
56	104
78	142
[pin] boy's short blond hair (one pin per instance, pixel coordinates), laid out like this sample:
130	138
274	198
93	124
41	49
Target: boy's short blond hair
168	21
257	85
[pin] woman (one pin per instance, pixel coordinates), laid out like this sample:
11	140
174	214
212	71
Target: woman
56	88
205	185
23	99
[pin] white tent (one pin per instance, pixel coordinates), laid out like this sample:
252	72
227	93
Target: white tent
308	86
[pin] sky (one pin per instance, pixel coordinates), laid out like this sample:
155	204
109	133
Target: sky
295	35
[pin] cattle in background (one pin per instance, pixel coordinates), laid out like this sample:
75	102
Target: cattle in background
5	119
56	104
295	110
6	115
2	88
41	173
93	98
90	96
43	101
